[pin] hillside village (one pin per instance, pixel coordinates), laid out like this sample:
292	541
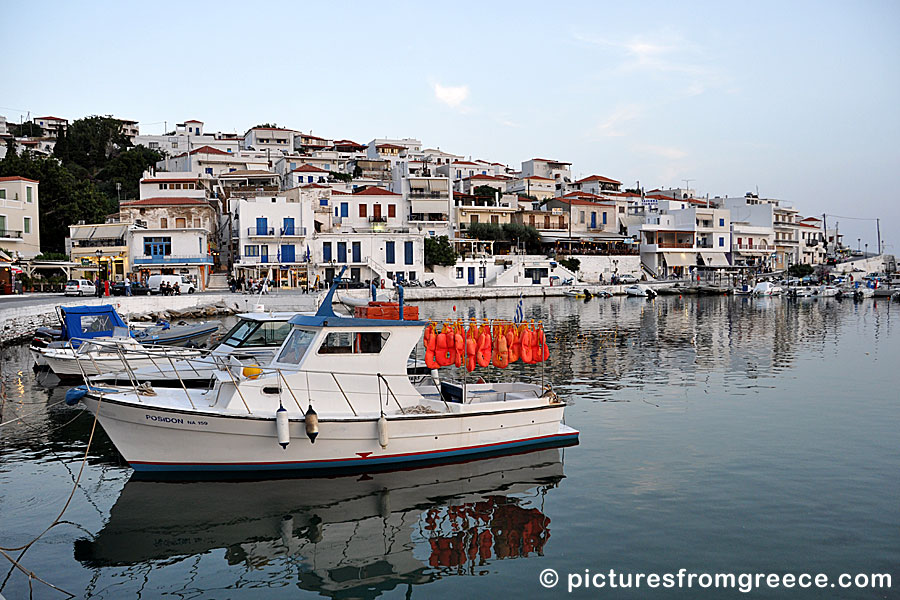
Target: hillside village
296	208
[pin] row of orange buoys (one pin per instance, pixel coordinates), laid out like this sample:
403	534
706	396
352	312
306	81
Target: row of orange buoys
499	344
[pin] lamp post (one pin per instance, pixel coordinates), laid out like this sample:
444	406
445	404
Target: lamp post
483	271
867	251
858	240
99	254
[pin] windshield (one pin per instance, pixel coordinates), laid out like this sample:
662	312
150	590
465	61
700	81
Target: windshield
270	333
239	333
295	346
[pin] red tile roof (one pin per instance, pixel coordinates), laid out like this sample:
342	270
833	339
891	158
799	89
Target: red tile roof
50	119
314	185
581	202
15	178
208	150
390	146
463	162
374	191
308	169
802	224
598	178
175	201
583	195
485	177
193	121
538	177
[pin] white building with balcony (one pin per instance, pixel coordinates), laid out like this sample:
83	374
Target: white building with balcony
752	232
52	126
429	201
19	221
187	137
812	241
171	235
674	241
273	235
558	171
536	186
276	140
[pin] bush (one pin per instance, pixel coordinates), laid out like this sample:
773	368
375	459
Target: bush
801	270
439	251
572	264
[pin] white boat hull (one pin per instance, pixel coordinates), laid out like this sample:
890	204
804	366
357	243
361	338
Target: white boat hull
63	362
155	439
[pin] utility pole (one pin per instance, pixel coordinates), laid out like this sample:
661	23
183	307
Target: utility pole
825	230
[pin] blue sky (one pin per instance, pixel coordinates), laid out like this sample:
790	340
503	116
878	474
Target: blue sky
797	99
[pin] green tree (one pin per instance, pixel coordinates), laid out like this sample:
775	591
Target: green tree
29	129
571	263
486	231
345	177
801	270
525	235
88	144
439	251
485	191
126	168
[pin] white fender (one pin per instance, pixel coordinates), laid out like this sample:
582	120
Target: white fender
282	426
383	434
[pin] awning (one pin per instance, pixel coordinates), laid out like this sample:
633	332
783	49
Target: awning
714	259
90	232
680	259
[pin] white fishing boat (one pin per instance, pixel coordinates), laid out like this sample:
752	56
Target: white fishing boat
640	289
767	288
336	396
253	340
109	355
743	290
827	291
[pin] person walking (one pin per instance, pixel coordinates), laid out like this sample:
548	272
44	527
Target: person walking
127	285
97	289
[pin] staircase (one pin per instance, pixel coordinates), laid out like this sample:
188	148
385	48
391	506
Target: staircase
218	282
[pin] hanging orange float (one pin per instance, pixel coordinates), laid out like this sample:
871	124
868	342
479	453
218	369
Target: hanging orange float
431	347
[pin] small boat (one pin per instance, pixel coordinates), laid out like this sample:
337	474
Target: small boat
827	291
336	396
579	294
742	290
109	355
78	323
801	291
641	290
767	288
252	341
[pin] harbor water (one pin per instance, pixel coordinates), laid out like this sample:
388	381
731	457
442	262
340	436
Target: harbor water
718	435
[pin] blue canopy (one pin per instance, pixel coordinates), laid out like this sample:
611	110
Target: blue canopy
89	321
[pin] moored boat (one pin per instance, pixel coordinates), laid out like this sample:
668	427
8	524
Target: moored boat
336	396
641	290
109	355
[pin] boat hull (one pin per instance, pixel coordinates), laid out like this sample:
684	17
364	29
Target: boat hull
161	440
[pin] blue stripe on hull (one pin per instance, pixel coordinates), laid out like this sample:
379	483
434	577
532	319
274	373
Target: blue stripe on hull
367	464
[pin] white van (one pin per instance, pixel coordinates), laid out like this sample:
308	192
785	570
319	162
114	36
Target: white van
185	285
80	287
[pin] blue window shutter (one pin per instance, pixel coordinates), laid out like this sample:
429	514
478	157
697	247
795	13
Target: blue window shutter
408	252
389	253
326	251
604	218
342	252
345	209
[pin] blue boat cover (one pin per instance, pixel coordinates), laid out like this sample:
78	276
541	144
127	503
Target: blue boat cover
89	321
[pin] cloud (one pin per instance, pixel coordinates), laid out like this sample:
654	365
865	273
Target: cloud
670	152
452	96
612	126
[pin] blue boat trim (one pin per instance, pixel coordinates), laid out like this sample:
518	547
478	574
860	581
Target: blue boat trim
359	464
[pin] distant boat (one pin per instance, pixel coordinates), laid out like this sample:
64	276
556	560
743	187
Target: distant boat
641	290
767	288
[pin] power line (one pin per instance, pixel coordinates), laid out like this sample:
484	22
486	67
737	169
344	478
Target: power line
854	218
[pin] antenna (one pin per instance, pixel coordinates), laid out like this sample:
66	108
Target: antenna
687	183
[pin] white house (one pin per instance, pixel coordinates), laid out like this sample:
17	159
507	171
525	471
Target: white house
19	222
390	256
752	232
52	126
558	171
273	234
273	139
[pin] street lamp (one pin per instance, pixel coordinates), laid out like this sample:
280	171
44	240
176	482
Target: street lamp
99	254
867	251
858	240
483	271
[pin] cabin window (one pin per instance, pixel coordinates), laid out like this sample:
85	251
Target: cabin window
353	342
270	333
295	347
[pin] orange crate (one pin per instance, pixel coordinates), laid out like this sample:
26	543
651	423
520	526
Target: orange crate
386	310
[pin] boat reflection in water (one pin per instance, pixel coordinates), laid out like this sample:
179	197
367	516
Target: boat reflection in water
350	535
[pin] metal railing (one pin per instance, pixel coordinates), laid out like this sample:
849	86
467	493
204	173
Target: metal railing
260	231
10	233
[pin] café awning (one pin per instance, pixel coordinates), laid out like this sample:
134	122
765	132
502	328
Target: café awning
681	259
714	259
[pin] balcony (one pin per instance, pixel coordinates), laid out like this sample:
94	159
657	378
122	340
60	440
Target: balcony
10	234
293	231
377	219
414	193
174	259
260	231
664	244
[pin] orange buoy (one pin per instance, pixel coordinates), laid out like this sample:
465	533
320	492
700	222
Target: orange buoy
483	354
527	352
503	353
430	347
444	348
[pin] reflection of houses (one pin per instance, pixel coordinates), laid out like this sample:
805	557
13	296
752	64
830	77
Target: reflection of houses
19	224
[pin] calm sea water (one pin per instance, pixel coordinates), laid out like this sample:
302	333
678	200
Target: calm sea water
717	435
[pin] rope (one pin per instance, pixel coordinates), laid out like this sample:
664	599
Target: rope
20	417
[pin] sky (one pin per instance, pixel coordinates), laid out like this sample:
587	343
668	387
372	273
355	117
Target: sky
796	100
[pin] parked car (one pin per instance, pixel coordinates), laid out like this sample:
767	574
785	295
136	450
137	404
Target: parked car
185	285
137	289
80	287
628	279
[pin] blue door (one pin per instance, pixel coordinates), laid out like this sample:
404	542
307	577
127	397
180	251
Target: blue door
471	275
389	253
287	253
345	210
262	226
288	228
593	220
342	252
357	252
408	252
264	253
326	251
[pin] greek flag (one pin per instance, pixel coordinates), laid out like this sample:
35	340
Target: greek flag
520	312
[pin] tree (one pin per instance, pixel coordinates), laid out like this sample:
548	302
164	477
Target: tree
267	126
486	231
438	251
345	177
89	143
485	191
571	263
126	168
801	270
525	235
29	129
